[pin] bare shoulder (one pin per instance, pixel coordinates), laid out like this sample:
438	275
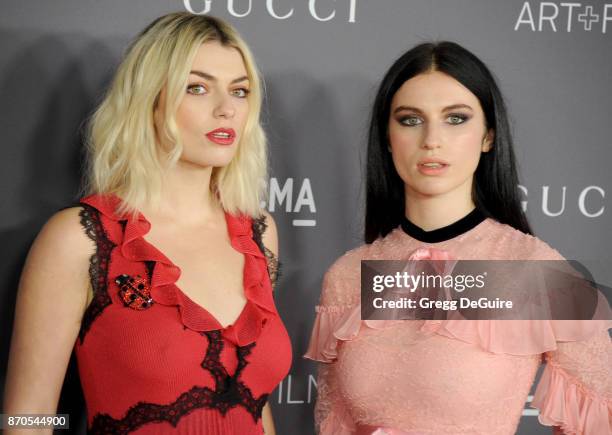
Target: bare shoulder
60	254
270	235
64	235
51	300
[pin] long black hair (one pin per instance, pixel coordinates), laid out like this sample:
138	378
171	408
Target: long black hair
495	190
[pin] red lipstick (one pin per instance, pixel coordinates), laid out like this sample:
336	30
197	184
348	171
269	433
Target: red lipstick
222	136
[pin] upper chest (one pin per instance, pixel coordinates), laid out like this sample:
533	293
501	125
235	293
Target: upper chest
204	255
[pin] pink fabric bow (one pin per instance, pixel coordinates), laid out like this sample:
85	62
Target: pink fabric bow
441	261
433	254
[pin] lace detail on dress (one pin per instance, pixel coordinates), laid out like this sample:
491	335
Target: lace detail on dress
229	392
98	266
588	362
328	401
274	266
575	391
410	377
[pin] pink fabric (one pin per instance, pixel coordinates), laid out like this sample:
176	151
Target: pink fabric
453	376
371	430
563	400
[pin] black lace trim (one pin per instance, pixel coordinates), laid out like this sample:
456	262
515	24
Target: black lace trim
229	392
274	266
150	266
98	266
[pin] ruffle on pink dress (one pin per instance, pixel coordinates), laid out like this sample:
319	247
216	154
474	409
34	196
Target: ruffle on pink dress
409	377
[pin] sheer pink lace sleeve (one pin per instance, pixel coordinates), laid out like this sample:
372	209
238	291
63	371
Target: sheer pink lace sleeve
337	305
330	414
575	391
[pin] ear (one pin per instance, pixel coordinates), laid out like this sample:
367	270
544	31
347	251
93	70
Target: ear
487	142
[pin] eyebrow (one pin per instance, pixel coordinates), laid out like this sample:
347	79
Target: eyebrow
446	109
212	78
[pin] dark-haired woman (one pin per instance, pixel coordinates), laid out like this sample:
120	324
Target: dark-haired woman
442	183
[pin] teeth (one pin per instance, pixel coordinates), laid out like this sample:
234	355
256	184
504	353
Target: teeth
432	165
222	135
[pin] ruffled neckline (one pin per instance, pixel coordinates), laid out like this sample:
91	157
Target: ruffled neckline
259	306
338	323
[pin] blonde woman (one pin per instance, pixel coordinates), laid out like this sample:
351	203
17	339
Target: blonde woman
161	279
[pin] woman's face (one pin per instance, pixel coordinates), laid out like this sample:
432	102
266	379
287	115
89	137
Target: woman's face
437	132
214	108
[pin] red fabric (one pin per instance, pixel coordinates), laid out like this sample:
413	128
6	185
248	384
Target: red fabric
155	355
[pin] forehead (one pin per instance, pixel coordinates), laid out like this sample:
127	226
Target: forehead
223	62
433	90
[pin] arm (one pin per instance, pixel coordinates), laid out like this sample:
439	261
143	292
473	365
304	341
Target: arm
575	392
331	414
51	299
267	420
270	241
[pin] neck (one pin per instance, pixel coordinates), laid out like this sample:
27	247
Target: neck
186	197
430	212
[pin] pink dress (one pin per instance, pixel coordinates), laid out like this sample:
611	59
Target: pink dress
453	377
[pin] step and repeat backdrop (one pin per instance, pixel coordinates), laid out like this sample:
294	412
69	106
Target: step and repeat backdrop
322	61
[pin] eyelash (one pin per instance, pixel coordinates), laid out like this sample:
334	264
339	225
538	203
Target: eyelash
243	91
463	118
191	87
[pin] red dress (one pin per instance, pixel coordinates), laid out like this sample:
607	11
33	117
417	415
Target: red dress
153	361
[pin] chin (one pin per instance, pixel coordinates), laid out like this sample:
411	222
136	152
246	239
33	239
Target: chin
215	159
431	189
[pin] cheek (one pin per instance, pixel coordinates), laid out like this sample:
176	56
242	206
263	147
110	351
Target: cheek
467	149
188	118
399	142
405	147
242	114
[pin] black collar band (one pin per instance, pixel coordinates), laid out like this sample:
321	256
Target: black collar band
448	232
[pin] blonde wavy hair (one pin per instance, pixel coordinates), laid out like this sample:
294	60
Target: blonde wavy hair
121	136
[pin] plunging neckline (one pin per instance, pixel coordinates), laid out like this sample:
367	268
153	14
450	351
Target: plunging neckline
185	295
126	232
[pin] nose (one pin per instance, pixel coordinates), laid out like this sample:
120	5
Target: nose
224	107
431	139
